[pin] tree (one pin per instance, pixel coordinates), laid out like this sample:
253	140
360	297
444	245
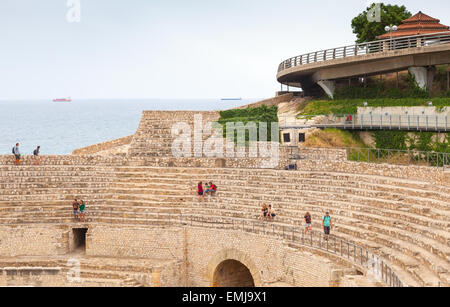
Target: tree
367	29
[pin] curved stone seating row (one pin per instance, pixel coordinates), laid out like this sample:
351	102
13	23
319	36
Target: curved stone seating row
406	221
229	189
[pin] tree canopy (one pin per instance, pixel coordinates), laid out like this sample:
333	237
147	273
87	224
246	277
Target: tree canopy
367	30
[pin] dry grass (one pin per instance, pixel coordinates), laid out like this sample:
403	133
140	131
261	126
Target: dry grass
332	138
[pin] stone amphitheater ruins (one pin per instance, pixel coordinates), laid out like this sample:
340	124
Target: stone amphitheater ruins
146	226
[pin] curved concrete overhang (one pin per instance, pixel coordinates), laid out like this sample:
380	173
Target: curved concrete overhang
365	65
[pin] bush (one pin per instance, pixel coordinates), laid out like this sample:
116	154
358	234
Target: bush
257	115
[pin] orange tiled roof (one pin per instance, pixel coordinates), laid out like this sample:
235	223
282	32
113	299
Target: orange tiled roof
418	24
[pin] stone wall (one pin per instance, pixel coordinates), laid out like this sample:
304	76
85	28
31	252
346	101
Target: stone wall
325	154
200	251
424	173
153	137
109	147
32	276
33	240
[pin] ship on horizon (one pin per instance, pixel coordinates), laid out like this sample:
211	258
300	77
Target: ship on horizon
228	99
68	99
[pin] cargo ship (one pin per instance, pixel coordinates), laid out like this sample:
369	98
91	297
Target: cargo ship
68	99
230	99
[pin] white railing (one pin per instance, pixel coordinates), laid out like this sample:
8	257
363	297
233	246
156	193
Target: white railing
385	45
372	121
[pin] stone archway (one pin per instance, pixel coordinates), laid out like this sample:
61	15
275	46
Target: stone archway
232	273
233	268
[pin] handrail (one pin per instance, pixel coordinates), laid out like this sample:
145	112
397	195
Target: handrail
372	121
376	155
407	42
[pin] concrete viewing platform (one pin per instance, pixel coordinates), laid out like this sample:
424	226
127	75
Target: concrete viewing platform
419	54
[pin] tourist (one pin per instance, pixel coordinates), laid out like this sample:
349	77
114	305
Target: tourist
264	210
211	189
75	206
36	154
200	191
82	211
327	224
308	224
16	153
271	213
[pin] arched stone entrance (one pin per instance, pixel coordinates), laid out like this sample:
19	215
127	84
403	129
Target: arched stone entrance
232	273
233	268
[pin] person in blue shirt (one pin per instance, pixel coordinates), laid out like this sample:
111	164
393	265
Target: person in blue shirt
327	224
16	153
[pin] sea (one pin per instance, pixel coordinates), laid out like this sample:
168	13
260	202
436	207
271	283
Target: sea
61	127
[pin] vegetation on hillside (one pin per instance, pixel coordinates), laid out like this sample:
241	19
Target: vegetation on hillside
334	138
257	115
350	106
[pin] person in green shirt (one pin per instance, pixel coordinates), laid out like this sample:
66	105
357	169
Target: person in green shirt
327	224
82	211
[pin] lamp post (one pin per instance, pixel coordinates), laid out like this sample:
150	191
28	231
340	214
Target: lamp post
391	29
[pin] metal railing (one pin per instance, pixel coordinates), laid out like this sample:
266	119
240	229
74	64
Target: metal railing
349	251
415	41
372	155
361	257
370	121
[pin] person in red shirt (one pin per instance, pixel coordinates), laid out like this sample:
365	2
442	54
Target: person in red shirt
212	189
200	191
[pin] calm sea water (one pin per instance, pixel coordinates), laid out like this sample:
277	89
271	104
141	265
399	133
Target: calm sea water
61	127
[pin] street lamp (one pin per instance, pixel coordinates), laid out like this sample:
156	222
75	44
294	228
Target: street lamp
391	29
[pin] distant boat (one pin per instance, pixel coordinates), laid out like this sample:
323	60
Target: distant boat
227	99
68	99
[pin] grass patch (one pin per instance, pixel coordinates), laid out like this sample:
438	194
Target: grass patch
334	138
263	114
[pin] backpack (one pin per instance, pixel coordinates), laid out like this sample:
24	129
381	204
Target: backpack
35	152
13	150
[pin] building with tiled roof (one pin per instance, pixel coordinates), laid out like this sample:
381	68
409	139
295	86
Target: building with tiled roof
418	24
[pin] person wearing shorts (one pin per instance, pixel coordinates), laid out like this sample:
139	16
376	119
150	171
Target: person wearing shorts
308	223
264	211
17	154
75	206
82	209
271	213
326	222
200	190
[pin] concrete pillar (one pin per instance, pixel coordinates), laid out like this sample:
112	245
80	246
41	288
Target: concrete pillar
328	86
421	76
424	76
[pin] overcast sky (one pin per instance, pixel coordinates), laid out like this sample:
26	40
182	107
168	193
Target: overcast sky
167	48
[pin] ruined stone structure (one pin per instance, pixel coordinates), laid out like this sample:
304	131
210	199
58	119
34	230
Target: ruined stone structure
146	226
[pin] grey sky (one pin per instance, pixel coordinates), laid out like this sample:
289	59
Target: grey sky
167	49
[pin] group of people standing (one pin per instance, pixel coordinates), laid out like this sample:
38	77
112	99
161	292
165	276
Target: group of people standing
210	189
268	213
326	224
79	210
18	155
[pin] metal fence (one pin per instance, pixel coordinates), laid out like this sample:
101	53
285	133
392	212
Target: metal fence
436	123
373	155
385	45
